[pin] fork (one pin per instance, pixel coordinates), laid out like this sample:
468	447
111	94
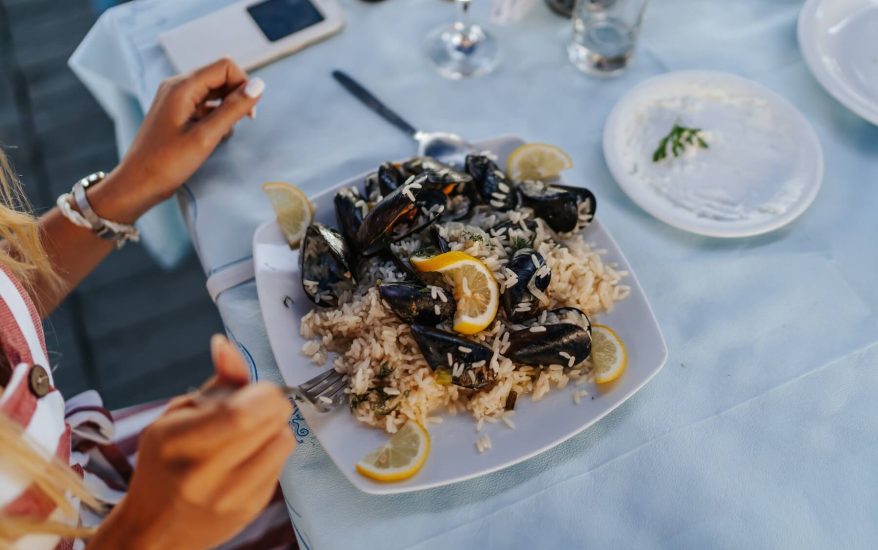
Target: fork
325	391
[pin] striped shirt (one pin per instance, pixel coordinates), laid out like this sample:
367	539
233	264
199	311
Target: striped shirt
99	445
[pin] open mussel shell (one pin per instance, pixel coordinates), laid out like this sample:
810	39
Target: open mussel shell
467	363
564	344
325	265
350	210
567	315
562	207
384	181
526	297
417	303
490	184
407	209
421	164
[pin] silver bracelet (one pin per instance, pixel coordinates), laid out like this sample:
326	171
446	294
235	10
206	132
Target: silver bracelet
121	233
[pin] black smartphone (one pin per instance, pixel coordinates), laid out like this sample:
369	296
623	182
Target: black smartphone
278	19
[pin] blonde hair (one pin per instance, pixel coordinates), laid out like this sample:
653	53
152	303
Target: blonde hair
26	259
24	255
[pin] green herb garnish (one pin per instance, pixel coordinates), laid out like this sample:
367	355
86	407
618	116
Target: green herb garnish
678	139
384	371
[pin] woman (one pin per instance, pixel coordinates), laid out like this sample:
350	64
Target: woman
209	464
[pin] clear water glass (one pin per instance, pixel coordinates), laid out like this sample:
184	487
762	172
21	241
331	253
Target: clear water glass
605	35
462	49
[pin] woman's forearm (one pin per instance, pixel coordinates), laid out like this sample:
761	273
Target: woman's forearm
75	251
179	132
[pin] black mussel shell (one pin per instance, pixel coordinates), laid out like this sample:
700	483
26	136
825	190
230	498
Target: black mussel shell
563	208
438	240
389	178
470	363
568	315
417	165
490	184
350	209
407	209
382	182
417	303
562	344
325	265
519	302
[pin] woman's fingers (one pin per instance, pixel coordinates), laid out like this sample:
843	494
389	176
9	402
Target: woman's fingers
210	423
235	106
253	480
223	73
228	363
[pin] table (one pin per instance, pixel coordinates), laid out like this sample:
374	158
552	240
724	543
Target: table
759	432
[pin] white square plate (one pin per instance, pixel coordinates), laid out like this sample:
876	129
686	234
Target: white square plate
539	425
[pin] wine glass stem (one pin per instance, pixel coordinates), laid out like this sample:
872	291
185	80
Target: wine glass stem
463	14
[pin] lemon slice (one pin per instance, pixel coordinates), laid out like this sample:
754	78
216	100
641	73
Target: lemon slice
475	289
607	354
537	161
293	210
401	457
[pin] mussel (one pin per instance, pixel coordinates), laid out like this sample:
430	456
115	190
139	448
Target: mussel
567	315
455	359
490	184
325	265
526	297
560	337
438	238
564	208
417	303
350	210
384	181
408	208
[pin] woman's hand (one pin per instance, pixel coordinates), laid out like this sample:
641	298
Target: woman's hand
207	466
189	117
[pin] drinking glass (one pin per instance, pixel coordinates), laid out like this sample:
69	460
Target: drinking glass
462	49
604	35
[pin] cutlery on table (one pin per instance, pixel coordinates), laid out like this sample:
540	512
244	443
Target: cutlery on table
444	146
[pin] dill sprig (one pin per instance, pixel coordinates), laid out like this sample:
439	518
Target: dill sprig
678	139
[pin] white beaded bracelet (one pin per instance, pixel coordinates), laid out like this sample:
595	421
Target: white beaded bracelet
121	233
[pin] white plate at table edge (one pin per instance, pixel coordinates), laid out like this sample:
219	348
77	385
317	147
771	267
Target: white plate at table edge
453	456
809	28
662	209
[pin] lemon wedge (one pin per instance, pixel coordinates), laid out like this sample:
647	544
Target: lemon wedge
537	161
293	210
608	354
475	289
401	457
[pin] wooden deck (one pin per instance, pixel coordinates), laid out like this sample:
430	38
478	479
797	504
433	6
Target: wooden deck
132	331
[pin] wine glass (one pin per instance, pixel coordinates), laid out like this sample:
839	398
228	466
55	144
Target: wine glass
462	49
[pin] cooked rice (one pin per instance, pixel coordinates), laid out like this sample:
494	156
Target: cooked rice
390	382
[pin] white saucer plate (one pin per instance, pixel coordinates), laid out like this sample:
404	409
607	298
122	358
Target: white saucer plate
761	169
838	41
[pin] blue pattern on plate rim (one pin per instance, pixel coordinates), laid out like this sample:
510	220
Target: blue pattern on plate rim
297	423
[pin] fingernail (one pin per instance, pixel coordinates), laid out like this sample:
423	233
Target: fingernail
213	103
254	88
216	345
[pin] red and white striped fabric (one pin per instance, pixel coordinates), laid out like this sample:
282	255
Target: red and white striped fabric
100	445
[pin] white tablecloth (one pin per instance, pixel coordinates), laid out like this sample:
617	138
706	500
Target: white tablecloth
760	430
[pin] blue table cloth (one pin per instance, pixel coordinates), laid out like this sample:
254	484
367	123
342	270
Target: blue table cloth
759	432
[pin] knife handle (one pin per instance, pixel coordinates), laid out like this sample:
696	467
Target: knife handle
372	102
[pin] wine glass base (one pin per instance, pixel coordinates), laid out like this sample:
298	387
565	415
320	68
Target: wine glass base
462	51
